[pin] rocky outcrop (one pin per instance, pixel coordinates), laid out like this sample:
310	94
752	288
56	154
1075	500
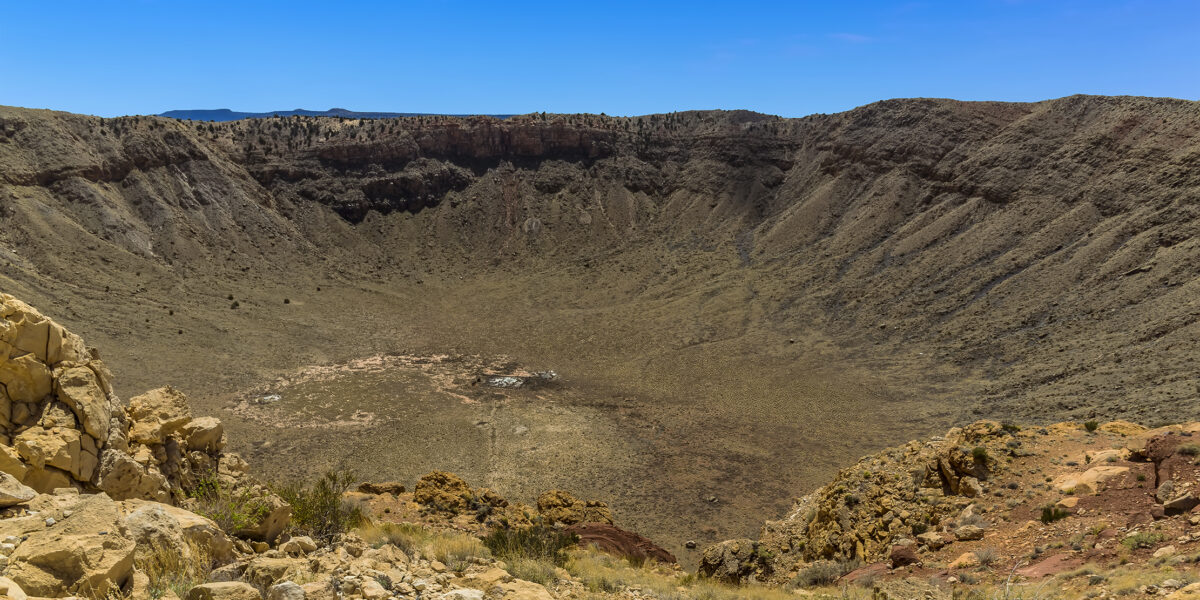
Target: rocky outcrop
157	526
57	408
70	544
62	426
892	496
558	506
620	542
732	561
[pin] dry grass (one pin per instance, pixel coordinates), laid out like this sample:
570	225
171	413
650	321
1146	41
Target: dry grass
605	574
454	549
530	569
171	570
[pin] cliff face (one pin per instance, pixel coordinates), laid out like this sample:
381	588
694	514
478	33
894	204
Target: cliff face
908	264
991	232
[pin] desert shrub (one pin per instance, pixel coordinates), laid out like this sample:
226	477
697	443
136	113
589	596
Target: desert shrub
824	572
456	551
974	520
408	537
979	453
1190	450
537	571
987	557
1142	539
318	510
230	509
170	570
1052	513
1091	426
538	542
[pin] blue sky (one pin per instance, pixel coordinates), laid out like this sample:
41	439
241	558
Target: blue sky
789	58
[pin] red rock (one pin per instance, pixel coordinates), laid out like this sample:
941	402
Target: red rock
903	556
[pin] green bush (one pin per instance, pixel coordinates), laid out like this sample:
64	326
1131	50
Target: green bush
230	509
1142	539
1052	513
1091	425
979	453
538	542
824	572
319	510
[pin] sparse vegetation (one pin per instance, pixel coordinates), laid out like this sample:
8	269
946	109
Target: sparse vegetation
1142	539
1052	513
454	549
538	542
1091	426
318	510
170	570
988	557
537	571
824	572
230	509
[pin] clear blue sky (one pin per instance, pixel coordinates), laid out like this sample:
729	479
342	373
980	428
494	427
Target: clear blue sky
789	58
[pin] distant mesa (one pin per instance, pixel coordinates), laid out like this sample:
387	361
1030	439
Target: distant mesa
225	114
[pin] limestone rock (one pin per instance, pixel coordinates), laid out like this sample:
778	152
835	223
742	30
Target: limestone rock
970	487
463	594
157	414
81	553
286	590
932	540
65	449
10	462
1181	504
519	589
558	506
79	389
730	561
10	590
48	479
443	491
373	590
1187	592
26	380
205	434
266	571
968	533
1089	482
319	590
12	492
224	590
967	560
298	546
156	525
124	478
